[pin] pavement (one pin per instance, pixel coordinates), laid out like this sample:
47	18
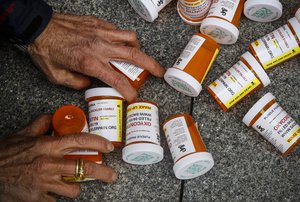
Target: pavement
247	167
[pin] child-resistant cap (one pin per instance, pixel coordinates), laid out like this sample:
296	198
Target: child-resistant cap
257	107
189	22
103	91
193	165
221	31
296	25
263	11
183	82
257	68
145	8
142	154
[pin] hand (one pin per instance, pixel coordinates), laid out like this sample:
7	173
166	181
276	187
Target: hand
73	48
32	165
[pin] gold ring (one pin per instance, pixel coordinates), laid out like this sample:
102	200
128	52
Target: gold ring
79	170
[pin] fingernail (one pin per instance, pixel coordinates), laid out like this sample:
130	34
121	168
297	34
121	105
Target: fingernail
110	147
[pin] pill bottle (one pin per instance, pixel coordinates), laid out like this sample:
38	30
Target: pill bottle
192	66
106	113
135	75
278	46
142	134
244	78
193	12
70	120
148	9
273	123
263	11
187	148
223	20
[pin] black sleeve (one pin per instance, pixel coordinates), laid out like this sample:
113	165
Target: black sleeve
22	21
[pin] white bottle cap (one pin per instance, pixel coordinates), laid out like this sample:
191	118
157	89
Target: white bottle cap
296	26
257	107
297	14
193	165
222	31
263	11
103	91
189	22
142	154
257	68
145	8
183	82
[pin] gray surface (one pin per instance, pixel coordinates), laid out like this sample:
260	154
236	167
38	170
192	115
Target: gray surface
247	167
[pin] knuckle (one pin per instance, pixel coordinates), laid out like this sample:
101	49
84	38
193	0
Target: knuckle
133	53
41	164
81	139
119	81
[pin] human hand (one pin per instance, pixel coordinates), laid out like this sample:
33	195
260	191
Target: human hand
32	165
73	48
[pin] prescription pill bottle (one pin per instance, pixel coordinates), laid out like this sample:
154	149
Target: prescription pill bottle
142	134
70	120
222	21
263	11
244	78
192	66
135	75
193	12
278	46
106	113
274	124
187	148
148	9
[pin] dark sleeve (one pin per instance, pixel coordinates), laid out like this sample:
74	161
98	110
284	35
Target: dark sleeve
22	21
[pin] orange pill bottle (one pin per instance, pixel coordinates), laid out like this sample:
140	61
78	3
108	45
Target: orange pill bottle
187	148
192	66
106	113
278	46
223	20
135	75
269	119
193	12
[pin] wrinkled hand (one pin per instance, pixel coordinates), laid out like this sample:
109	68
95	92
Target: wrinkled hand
73	48
32	165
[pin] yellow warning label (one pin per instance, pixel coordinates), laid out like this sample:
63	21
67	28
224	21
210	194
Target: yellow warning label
294	136
119	119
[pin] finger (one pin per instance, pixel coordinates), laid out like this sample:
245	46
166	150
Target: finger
137	57
71	190
100	172
37	127
48	198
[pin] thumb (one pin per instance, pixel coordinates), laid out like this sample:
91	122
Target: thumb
37	127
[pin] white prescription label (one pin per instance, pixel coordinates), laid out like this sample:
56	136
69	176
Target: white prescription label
276	47
130	70
105	119
235	84
278	128
189	51
160	4
178	138
195	10
142	123
225	9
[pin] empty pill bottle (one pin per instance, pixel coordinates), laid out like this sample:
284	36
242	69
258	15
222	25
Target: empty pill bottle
263	11
192	66
269	119
193	12
106	113
244	78
71	120
187	147
148	9
223	20
278	46
135	75
142	134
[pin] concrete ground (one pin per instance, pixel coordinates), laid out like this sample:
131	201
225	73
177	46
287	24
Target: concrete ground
247	167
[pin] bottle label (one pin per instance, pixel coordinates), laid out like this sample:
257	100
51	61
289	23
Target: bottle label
160	4
276	47
278	128
224	9
142	123
129	70
189	52
105	119
179	138
235	84
194	10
